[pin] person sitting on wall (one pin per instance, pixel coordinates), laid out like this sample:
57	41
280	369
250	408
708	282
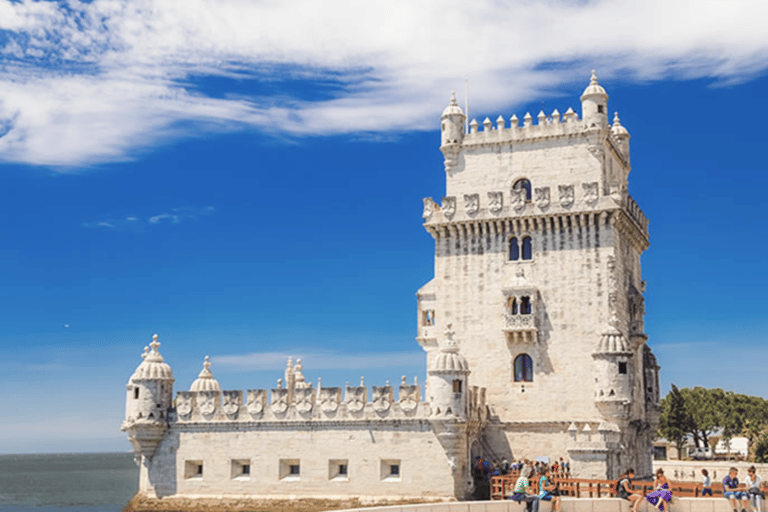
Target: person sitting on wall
661	495
731	490
706	489
524	492
624	489
754	491
548	490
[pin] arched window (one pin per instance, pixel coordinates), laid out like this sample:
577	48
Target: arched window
514	249
527	248
523	184
523	368
512	306
525	305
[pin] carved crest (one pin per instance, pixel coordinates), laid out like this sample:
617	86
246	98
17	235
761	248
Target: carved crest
597	151
304	399
256	400
184	403
449	206
410	396
471	203
382	398
495	201
230	402
518	199
429	208
590	192
206	401
566	195
279	400
357	397
330	398
542	197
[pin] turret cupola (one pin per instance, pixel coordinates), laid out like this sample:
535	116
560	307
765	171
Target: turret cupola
594	105
148	401
621	135
448	379
451	132
205	380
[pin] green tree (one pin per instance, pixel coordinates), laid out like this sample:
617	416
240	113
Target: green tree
675	422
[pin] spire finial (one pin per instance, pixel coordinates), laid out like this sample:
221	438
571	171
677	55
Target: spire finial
616	119
593	80
207	363
453	99
155	344
146	353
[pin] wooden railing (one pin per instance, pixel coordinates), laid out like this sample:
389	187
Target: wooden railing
502	487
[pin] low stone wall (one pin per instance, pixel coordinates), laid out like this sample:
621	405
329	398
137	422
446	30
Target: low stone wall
690	470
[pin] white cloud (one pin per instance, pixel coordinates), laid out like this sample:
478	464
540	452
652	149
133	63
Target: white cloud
319	360
175	216
100	81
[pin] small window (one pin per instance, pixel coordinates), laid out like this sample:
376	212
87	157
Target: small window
342	469
338	469
514	249
457	386
622	367
290	469
246	469
295	470
241	468
193	469
527	248
523	184
136	393
394	470
512	306
600	109
428	318
525	305
390	470
523	368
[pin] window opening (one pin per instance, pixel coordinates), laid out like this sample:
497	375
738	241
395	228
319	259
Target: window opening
394	469
527	248
525	305
135	393
622	367
600	109
523	368
457	386
428	318
513	306
514	249
295	470
523	184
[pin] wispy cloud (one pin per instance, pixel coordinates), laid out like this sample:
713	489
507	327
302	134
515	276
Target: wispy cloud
174	216
318	360
89	82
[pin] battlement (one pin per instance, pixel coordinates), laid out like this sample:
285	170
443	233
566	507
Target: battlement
553	125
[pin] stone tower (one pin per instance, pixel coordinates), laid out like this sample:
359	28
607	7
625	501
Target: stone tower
537	270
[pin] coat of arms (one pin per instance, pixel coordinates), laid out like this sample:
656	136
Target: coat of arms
304	399
184	403
518	199
382	398
429	208
410	396
542	197
495	201
279	400
449	206
230	402
206	402
590	192
566	195
471	203
256	400
330	399
357	397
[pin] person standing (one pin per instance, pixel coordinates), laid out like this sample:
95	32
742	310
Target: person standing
706	489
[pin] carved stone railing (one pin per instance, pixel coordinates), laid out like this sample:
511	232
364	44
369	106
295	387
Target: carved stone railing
521	328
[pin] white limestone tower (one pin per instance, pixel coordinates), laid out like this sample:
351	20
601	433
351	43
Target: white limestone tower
148	400
537	269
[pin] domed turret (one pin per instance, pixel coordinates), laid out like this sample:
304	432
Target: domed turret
613	374
205	380
621	135
448	379
148	400
451	132
594	105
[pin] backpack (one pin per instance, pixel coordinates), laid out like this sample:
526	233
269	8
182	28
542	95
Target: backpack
619	487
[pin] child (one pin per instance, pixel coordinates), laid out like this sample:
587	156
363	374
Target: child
707	484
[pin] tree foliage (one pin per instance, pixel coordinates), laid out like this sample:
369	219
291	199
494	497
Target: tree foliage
699	412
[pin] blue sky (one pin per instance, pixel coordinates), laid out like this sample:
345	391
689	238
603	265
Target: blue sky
245	180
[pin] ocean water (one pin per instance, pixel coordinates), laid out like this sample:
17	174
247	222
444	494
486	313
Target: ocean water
71	482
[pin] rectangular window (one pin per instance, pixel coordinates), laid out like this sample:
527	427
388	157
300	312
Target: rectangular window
457	386
622	367
241	468
390	470
290	469
338	469
136	393
193	469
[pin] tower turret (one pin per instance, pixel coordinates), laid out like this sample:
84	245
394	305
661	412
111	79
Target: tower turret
594	105
205	380
613	375
451	132
621	135
448	380
149	395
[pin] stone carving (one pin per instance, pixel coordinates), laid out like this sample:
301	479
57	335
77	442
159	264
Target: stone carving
495	201
590	192
256	400
184	403
279	399
471	203
231	401
410	396
304	398
382	398
542	197
298	378
357	397
330	398
597	151
449	206
518	199
429	208
566	195
206	401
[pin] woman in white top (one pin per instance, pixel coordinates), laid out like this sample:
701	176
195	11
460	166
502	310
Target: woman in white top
754	484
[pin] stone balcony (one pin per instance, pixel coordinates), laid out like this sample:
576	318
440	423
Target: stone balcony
520	327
